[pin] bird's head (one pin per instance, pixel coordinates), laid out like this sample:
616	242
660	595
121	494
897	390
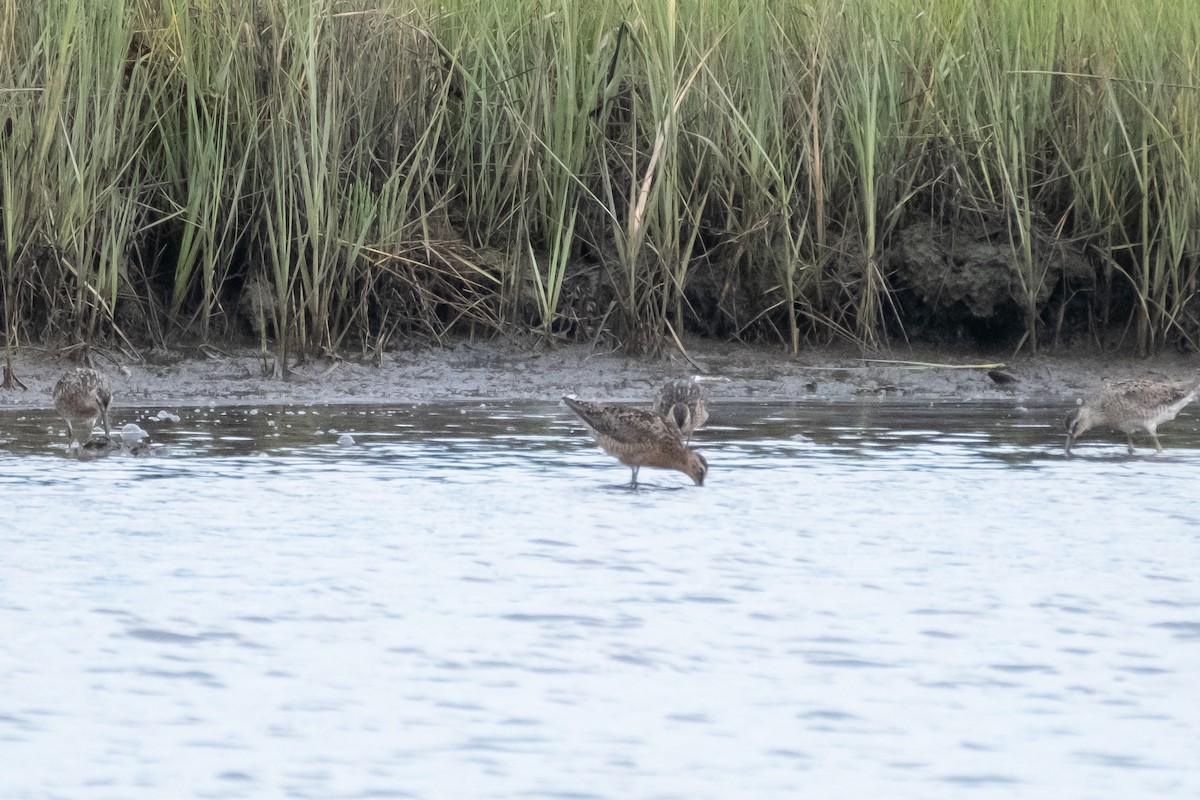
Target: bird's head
1077	422
680	416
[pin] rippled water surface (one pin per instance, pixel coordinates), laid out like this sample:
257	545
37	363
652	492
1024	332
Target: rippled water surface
874	600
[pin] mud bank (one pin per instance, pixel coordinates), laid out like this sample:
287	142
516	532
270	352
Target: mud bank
481	371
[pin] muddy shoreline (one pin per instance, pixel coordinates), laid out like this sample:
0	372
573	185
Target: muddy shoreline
465	372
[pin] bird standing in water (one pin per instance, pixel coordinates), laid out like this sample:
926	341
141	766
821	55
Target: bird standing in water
82	396
639	438
685	403
1131	405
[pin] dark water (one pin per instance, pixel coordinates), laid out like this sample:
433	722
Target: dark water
863	601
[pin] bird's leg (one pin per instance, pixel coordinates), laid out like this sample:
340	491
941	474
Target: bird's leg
1157	444
1129	438
633	480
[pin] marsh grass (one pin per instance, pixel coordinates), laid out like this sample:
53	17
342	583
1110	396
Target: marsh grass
340	174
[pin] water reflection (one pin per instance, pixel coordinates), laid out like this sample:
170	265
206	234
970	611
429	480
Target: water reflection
1013	433
877	599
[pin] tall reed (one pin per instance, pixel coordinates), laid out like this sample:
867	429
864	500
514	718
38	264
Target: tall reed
332	173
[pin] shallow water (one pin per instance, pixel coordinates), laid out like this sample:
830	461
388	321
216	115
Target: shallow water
875	600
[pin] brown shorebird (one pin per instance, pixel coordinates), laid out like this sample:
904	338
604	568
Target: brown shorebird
1128	406
639	438
683	402
82	396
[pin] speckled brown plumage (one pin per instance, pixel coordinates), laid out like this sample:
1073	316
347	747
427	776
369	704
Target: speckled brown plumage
684	403
639	438
82	396
1131	405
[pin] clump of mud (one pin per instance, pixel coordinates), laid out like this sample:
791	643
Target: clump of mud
970	275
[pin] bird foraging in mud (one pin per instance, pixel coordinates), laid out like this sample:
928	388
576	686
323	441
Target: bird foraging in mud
684	403
639	438
82	396
1131	405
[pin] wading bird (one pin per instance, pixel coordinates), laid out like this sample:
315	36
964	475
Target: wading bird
685	404
82	396
639	438
1132	405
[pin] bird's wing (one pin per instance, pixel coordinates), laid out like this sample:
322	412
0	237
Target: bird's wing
623	424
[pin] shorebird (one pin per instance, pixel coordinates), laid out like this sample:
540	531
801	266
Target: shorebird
684	403
82	396
1130	406
639	438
